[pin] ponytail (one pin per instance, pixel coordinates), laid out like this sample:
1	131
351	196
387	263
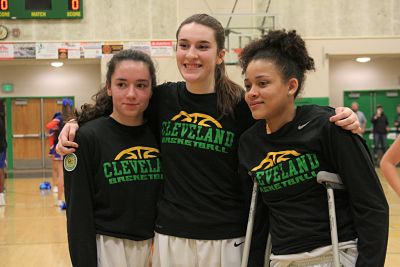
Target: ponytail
228	92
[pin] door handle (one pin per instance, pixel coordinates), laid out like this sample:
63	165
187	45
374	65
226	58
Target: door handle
26	135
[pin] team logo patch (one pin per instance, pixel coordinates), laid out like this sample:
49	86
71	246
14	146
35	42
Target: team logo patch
138	152
197	118
273	158
70	162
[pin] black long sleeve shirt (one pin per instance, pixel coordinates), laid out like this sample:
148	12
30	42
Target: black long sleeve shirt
203	196
285	165
112	185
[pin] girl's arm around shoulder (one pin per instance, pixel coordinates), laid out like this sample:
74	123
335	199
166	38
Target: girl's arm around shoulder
344	117
168	86
66	138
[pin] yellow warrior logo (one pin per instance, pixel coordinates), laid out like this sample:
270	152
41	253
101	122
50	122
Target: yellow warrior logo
196	118
274	158
138	152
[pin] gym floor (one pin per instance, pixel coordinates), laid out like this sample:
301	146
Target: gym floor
33	229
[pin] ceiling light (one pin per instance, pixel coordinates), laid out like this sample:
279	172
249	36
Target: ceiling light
57	64
363	59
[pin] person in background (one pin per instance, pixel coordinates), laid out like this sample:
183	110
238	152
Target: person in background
54	127
202	213
397	120
284	151
379	129
388	165
360	115
113	181
3	150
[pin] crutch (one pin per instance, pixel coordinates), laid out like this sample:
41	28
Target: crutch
268	251
249	230
250	223
332	181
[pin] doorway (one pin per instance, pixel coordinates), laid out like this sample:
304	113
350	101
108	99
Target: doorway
367	101
30	142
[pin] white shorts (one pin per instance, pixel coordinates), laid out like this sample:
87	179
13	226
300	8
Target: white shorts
319	257
112	251
171	251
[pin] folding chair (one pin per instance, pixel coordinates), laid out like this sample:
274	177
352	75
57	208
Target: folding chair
331	181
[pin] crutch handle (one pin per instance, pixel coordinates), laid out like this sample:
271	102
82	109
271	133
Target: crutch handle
331	179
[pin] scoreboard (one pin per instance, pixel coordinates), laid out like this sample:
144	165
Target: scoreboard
41	9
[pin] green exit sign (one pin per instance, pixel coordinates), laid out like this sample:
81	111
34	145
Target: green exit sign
7	87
